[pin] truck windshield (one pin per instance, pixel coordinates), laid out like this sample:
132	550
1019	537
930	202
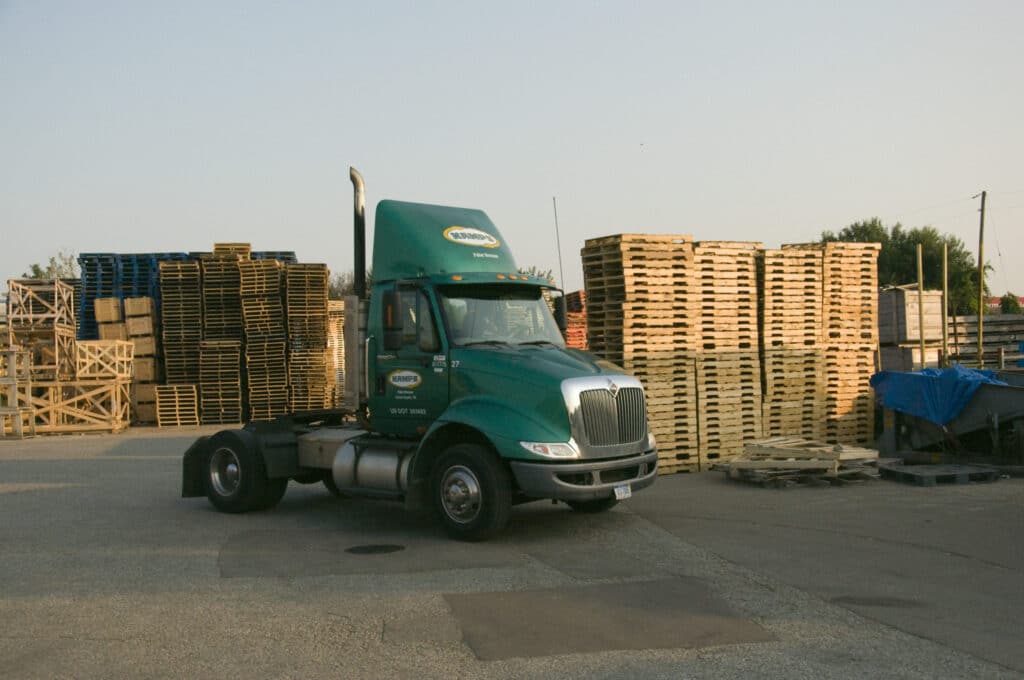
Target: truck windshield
498	315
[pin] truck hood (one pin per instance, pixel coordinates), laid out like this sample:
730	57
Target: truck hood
533	365
524	382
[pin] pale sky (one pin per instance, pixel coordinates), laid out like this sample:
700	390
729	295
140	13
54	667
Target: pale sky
143	126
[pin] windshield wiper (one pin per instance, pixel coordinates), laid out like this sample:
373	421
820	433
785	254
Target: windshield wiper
538	342
492	343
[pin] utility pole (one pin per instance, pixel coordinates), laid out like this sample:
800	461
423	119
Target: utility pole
981	280
945	305
558	244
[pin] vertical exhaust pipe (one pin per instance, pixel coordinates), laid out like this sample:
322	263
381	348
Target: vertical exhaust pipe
359	227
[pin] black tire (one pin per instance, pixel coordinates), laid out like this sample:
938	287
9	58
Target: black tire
596	505
332	487
272	494
234	475
472	492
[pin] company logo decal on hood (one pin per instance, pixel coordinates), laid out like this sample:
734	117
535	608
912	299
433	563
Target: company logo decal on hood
406	380
471	236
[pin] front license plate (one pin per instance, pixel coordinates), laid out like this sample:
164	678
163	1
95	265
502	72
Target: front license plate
622	492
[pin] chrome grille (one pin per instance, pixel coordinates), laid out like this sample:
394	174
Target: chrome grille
614	419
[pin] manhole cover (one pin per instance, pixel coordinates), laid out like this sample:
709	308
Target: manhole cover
374	549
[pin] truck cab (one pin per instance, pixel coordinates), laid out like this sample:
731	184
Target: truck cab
466	399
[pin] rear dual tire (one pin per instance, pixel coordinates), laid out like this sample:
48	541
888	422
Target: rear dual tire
235	477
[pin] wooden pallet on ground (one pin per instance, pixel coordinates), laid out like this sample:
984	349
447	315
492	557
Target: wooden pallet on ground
177	406
787	460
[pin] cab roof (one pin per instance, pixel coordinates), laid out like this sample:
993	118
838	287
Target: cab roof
413	240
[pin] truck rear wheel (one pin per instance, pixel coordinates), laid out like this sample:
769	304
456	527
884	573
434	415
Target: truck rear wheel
472	492
596	505
235	478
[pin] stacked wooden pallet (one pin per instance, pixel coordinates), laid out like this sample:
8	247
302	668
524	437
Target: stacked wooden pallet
181	307
336	349
310	375
265	338
576	320
782	461
235	251
41	320
222	302
640	315
850	330
728	364
220	381
17	417
176	406
141	328
791	333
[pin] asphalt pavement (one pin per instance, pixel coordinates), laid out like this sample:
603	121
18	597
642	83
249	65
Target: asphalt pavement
106	572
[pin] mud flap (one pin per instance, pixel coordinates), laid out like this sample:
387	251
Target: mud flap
192	470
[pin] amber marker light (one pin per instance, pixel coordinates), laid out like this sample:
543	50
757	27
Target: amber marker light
500	276
456	277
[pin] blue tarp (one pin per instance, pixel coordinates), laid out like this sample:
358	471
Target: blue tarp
938	395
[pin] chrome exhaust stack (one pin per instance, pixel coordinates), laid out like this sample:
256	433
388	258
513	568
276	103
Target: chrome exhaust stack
359	227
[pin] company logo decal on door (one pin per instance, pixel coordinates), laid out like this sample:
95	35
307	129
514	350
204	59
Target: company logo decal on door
471	236
405	380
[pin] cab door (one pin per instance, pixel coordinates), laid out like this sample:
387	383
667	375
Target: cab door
410	387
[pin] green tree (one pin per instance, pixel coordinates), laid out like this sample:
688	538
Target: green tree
344	284
897	259
1009	304
534	270
61	266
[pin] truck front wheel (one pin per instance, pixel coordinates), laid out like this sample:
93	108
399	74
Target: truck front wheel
472	492
235	479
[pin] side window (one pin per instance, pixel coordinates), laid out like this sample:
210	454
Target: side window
418	330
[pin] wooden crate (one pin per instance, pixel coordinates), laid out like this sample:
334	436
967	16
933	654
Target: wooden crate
139	325
177	406
113	331
52	350
80	406
40	302
104	359
139	306
107	310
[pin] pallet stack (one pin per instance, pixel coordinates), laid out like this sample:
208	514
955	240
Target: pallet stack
791	352
336	350
576	320
101	278
17	417
142	331
641	298
310	376
728	364
181	302
850	330
222	302
220	381
265	338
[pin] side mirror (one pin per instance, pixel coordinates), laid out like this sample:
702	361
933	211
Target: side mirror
392	321
560	317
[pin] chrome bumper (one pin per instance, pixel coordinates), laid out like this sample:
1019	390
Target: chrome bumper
585	481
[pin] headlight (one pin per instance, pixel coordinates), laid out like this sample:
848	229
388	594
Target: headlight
553	450
651	443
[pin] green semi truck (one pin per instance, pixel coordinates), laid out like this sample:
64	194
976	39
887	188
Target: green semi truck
460	393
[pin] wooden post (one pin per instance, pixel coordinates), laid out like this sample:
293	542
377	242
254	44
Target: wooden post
945	304
981	283
1002	358
920	305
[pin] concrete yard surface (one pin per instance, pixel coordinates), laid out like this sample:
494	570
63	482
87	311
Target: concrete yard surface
106	572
